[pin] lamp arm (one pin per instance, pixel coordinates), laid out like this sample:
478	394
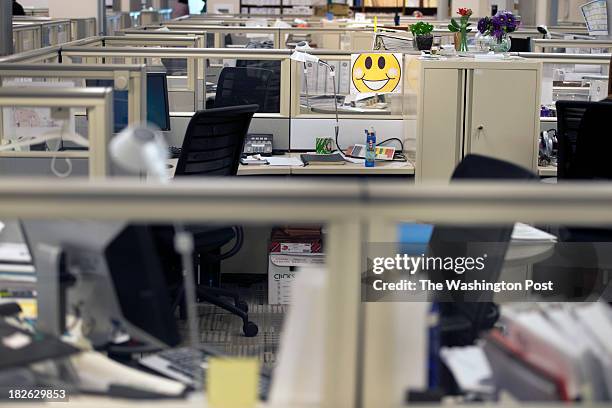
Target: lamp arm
332	73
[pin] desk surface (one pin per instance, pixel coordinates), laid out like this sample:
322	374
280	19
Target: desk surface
386	168
382	168
389	168
547	171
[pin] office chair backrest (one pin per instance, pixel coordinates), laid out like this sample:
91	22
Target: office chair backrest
584	145
244	86
273	102
473	242
214	140
520	44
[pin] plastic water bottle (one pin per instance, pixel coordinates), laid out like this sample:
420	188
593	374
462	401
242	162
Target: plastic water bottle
370	154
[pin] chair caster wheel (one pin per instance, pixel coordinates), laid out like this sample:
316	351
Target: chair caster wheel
242	305
250	329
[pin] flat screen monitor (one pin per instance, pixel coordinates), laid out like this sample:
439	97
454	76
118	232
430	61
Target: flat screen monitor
119	281
158	108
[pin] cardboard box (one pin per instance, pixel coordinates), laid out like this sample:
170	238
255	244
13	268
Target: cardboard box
340	10
282	270
299	241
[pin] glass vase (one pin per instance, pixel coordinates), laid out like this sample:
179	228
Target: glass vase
502	44
483	42
461	41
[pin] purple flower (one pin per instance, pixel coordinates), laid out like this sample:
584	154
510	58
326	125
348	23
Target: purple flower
503	22
484	25
498	33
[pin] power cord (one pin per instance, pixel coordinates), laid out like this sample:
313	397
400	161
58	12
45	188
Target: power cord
60	147
390	140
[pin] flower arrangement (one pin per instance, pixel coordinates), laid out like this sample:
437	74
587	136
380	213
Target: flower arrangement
462	28
499	25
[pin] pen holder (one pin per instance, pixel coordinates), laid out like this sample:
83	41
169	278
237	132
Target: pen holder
324	145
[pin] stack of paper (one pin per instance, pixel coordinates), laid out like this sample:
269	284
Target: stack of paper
553	352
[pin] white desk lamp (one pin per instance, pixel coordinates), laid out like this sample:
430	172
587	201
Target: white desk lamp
301	55
140	149
143	149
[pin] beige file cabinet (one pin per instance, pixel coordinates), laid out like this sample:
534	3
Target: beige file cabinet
485	107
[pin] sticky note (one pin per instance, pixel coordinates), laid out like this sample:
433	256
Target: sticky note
29	309
232	382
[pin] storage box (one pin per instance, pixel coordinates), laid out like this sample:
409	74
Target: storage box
299	241
340	10
282	270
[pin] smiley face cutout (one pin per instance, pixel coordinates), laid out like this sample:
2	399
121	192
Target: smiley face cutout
378	73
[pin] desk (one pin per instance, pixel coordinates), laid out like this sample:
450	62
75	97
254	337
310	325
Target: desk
382	168
547	171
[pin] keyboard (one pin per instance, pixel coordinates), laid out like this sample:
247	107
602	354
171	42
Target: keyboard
185	364
175	152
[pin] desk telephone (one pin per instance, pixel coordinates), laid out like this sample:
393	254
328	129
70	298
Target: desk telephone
258	143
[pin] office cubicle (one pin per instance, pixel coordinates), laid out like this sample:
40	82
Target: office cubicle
36	111
570	76
392	115
294	113
364	349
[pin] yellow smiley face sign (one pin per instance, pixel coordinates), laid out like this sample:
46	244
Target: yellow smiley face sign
376	73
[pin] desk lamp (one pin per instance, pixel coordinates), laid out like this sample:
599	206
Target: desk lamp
301	55
542	29
142	149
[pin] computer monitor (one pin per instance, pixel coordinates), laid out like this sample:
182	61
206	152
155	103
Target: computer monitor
115	280
158	107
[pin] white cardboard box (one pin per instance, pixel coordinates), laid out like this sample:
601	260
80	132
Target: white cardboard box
282	269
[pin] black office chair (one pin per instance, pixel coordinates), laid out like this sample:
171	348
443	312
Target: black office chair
244	86
273	98
520	44
462	318
584	144
214	140
212	147
584	154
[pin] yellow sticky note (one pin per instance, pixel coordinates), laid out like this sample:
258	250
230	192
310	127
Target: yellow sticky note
232	382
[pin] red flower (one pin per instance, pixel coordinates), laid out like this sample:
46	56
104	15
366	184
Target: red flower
464	12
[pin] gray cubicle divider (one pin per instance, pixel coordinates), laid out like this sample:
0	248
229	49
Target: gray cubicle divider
278	127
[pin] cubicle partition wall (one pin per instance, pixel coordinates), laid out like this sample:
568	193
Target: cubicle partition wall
82	28
116	22
53	31
221	36
22	107
128	78
26	37
573	46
